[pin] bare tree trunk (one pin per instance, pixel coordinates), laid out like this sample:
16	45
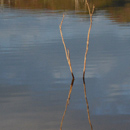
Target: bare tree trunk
87	44
66	50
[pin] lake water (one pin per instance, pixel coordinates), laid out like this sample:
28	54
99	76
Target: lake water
35	79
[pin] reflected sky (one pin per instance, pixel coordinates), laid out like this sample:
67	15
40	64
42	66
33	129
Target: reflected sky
34	73
31	52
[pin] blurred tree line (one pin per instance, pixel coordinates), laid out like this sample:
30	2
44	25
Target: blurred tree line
118	9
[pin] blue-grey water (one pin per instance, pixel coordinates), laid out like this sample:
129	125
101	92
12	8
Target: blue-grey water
35	76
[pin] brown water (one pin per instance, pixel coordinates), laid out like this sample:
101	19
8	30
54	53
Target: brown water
35	79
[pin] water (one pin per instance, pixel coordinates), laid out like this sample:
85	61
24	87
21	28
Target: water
35	78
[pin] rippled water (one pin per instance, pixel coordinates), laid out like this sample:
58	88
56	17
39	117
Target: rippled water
34	74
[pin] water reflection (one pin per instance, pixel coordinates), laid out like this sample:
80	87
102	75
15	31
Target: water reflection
32	54
120	14
118	10
68	100
68	59
85	94
69	63
67	103
90	14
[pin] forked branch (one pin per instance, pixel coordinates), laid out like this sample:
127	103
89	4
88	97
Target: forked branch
87	44
66	50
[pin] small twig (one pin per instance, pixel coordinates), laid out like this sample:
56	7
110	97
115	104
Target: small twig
93	9
66	50
88	6
61	22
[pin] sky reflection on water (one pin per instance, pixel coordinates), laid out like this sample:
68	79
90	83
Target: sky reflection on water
35	77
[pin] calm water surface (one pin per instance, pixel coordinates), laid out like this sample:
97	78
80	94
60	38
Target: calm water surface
34	74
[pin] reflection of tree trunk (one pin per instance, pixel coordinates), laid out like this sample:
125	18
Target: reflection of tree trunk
87	44
15	2
2	2
69	63
87	104
9	2
67	103
76	4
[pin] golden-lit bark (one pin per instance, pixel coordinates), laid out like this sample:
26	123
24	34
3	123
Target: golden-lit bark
86	52
66	50
87	44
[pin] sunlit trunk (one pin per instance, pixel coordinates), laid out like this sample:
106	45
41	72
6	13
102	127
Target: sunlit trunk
66	50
